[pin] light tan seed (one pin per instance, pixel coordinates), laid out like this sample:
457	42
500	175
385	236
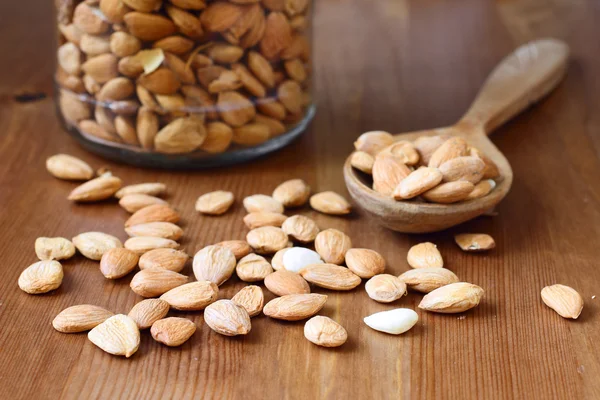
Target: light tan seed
150	189
491	170
295	307
452	298
427	145
173	331
118	262
143	244
193	296
262	203
466	168
330	276
324	331
483	188
227	318
215	203
373	142
362	161
164	230
253	268
277	260
97	189
215	264
283	282
388	172
425	280
93	245
332	245
267	239
417	182
259	219
155	282
41	277
449	192
330	203
148	311
365	263
301	228
292	193
239	248
235	109
566	301
57	248
170	259
385	288
474	241
451	148
153	213
64	166
135	202
404	150
118	335
251	298
218	137
180	136
80	318
424	255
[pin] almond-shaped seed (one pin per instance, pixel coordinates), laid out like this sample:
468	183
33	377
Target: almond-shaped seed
424	255
97	189
215	264
57	248
235	109
118	335
153	213
135	202
227	318
122	44
125	129
180	136
301	228
150	189
324	331
451	148
295	307
427	145
405	151
330	203
155	282
215	203
251	298
261	68
88	20
218	137
565	300
239	248
267	239
453	298
277	260
143	244
173	331
394	322
449	192
118	262
64	166
332	245
491	170
299	257
474	241
149	27
330	276
373	142
170	259
80	318
483	188
148	311
93	245
417	182
385	288
466	168
388	172
292	193
41	277
365	263
253	268
116	89
283	283
262	203
165	230
259	219
362	161
426	280
193	296
289	94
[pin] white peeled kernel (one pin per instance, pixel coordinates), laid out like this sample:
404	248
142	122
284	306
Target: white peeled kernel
297	258
395	321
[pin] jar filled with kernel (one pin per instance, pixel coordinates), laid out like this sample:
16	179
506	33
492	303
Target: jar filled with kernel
184	83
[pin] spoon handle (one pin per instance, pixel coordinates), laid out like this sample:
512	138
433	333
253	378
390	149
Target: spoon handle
522	78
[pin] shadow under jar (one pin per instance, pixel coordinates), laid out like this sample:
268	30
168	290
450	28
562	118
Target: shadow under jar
184	83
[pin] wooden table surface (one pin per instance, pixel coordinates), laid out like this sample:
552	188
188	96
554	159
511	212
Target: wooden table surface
389	64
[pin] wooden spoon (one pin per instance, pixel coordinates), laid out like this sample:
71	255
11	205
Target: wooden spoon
522	78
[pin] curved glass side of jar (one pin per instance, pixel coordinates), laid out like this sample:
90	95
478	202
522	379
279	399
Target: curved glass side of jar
184	83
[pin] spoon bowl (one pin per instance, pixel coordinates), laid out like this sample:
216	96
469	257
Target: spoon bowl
523	78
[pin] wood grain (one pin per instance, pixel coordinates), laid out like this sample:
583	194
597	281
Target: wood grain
393	65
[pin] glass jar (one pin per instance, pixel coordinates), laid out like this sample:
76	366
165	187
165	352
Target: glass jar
184	83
